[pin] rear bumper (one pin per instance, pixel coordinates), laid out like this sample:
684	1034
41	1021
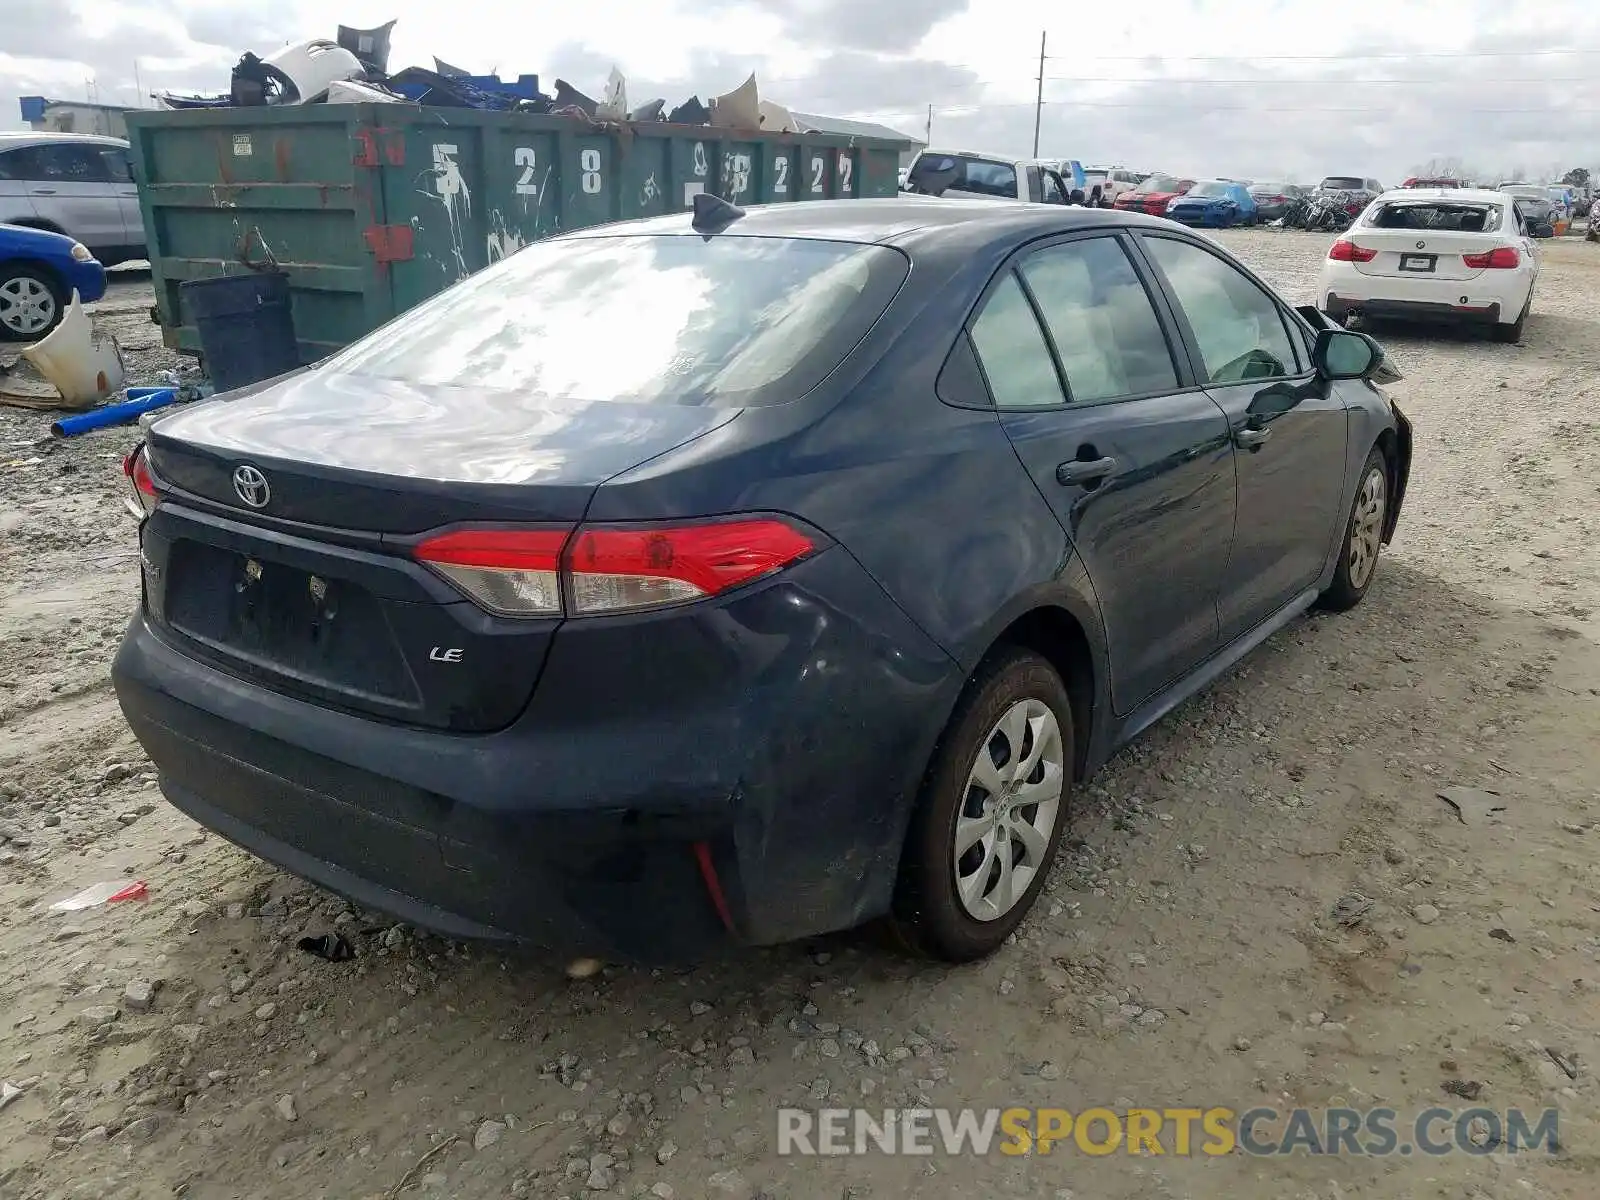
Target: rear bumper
779	735
1430	311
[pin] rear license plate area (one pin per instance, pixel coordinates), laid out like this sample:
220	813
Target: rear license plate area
1421	263
281	621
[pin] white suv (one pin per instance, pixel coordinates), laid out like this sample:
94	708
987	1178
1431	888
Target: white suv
73	183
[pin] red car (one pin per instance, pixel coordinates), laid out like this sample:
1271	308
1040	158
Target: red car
1153	195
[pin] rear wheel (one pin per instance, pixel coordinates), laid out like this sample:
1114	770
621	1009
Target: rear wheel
1363	537
991	813
1513	333
32	302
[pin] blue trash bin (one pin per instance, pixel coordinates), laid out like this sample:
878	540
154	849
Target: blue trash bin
245	326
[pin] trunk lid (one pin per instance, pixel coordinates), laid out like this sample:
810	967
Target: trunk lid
358	452
1420	253
315	593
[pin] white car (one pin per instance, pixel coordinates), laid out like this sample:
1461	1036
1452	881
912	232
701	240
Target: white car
1454	255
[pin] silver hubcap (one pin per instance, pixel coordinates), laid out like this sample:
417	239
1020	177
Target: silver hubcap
1012	803
26	305
1366	530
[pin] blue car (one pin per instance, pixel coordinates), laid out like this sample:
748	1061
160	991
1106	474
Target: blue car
38	272
1214	204
779	571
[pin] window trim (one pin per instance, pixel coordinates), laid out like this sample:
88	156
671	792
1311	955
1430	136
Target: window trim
1188	379
1291	321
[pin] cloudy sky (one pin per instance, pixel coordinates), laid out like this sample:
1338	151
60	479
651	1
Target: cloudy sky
1296	88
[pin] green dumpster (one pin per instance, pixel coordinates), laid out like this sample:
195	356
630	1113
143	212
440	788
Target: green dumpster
371	208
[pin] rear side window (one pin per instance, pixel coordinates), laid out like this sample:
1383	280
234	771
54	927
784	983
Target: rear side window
1239	327
117	164
663	319
935	173
1012	350
1101	320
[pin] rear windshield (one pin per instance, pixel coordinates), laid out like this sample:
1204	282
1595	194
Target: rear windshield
669	319
1268	189
1462	218
1343	183
933	173
1209	189
1158	183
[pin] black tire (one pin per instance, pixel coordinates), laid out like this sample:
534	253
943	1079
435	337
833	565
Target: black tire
928	917
1512	334
21	275
1354	573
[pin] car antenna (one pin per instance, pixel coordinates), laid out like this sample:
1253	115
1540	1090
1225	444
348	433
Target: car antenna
712	212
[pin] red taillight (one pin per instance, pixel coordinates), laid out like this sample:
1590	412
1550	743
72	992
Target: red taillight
513	572
524	572
1343	251
621	570
136	466
1502	258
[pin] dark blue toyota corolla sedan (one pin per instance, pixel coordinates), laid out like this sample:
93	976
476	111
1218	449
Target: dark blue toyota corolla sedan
719	580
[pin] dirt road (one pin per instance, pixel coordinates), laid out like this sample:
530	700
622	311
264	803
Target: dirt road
1265	901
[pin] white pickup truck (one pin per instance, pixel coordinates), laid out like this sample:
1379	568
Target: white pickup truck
1104	184
963	174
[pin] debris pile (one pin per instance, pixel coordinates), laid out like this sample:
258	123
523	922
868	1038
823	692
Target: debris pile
354	68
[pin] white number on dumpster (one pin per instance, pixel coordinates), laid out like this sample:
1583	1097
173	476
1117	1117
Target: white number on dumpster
780	181
589	161
819	168
528	159
846	167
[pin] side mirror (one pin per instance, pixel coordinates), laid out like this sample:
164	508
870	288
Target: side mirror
1343	354
1076	197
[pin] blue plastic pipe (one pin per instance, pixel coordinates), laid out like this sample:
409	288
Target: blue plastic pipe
140	400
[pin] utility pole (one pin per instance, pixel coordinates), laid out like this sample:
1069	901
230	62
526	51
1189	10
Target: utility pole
927	130
1038	104
138	87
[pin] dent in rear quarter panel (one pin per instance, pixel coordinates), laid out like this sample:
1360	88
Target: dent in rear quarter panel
802	704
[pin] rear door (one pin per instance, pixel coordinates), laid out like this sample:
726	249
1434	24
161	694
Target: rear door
120	165
1287	423
1135	464
71	187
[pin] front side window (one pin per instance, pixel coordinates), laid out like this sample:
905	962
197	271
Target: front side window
1101	320
645	319
1052	189
1012	350
1238	327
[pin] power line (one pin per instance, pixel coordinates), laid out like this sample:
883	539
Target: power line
1322	57
1322	82
957	109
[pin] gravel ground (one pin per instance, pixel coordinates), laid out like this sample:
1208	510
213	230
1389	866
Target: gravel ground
1264	902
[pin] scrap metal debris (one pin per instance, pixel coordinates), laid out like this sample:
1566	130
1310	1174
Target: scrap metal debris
1474	806
354	68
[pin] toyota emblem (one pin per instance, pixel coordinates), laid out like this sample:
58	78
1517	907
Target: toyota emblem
251	486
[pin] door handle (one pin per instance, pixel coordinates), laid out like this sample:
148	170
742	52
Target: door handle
1078	471
1251	439
41	191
